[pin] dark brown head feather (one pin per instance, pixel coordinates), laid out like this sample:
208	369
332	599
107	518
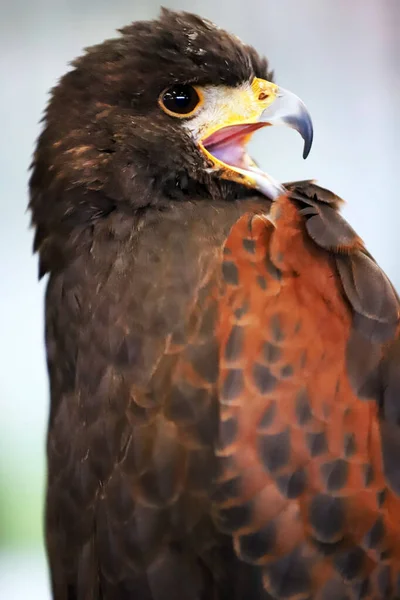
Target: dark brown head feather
105	137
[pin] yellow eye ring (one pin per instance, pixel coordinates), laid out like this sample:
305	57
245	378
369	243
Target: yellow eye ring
181	100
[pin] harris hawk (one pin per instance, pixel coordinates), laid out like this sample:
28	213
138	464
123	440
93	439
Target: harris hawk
222	350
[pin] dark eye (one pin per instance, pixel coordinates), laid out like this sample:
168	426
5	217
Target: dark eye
180	100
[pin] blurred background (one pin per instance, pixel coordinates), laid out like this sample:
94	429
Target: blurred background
341	58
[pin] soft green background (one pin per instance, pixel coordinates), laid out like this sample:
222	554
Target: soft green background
340	56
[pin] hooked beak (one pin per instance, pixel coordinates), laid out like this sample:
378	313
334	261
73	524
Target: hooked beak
288	109
225	143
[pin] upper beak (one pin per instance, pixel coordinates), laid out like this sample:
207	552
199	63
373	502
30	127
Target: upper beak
288	109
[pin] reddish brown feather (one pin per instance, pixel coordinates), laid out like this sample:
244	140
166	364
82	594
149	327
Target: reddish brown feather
297	427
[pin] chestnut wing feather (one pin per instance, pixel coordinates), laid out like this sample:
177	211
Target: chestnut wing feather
309	392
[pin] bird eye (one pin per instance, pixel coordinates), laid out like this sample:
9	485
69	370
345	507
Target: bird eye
180	100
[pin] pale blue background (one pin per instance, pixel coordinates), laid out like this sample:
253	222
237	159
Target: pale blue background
341	57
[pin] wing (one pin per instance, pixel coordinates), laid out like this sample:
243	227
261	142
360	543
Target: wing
309	393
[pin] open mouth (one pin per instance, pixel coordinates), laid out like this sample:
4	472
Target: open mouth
228	129
227	150
228	145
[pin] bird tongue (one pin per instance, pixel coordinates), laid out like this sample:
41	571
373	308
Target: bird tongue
229	153
228	144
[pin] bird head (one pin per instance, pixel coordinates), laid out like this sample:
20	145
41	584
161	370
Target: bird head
165	110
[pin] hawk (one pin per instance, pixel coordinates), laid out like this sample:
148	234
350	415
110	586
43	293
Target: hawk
223	352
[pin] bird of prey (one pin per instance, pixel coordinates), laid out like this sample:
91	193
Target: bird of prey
223	352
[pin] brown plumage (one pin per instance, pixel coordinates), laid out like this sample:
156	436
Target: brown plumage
224	371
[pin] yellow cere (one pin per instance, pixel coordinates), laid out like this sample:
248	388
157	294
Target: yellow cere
224	106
